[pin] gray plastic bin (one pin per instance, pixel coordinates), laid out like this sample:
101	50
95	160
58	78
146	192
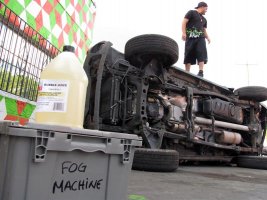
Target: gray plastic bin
43	162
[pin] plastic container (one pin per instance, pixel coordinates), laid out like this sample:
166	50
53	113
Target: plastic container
62	91
47	162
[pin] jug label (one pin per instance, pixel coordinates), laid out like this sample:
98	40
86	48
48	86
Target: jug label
52	96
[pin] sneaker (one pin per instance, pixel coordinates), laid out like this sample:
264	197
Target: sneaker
200	73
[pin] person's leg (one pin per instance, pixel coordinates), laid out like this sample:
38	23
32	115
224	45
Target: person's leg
201	65
189	54
201	55
187	67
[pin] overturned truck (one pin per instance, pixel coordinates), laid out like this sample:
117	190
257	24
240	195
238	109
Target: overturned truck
181	117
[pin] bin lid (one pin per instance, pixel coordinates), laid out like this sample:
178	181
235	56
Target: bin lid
67	129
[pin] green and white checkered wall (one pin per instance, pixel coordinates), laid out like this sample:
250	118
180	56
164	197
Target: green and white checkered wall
60	21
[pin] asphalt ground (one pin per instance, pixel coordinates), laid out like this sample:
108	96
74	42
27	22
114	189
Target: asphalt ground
199	183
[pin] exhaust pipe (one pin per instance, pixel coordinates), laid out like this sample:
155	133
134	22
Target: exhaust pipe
202	120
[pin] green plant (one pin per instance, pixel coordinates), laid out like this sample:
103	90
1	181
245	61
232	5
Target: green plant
137	197
20	85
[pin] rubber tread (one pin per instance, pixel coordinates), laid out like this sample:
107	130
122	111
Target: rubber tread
157	160
152	45
255	93
254	162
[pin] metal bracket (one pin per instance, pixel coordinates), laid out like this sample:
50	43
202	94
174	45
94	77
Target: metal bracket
189	113
152	138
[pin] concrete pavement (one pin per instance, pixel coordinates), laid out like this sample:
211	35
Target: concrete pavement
199	183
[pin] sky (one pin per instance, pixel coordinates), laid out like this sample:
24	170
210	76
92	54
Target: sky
237	29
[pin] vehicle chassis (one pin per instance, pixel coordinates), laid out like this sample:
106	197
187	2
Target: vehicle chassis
120	96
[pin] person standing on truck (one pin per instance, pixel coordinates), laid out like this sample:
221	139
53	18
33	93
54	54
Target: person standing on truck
194	33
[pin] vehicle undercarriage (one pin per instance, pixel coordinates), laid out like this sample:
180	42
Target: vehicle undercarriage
141	92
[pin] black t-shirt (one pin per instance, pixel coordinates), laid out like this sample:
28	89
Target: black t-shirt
196	24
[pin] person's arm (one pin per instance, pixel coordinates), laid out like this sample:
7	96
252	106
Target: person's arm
185	21
206	35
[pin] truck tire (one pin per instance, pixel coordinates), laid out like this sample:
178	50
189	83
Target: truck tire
141	49
254	162
255	93
156	160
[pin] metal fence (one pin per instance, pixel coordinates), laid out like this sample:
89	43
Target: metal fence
23	54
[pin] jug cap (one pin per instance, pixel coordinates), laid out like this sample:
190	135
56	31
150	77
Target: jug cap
68	48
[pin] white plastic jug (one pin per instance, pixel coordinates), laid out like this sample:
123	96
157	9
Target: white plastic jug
62	91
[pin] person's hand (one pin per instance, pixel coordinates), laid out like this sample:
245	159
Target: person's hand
184	37
208	38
